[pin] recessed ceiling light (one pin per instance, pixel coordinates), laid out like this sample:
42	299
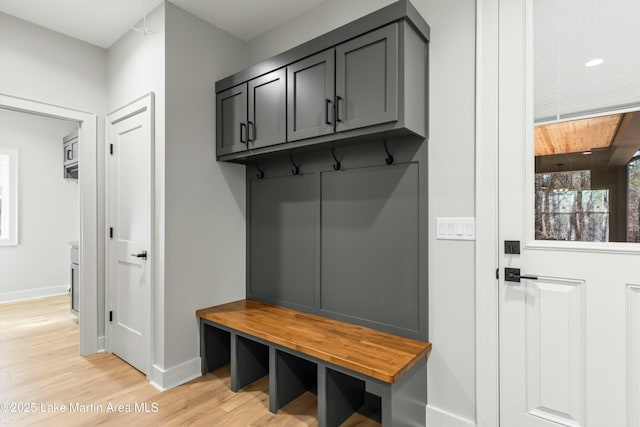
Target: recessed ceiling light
594	62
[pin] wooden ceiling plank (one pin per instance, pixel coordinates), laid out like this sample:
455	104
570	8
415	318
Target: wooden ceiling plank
576	136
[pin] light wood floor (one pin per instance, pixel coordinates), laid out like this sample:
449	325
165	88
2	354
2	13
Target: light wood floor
40	364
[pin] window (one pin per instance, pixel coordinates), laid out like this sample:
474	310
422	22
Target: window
586	114
567	208
587	182
8	196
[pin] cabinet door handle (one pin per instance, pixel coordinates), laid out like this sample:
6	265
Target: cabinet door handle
242	126
69	155
326	111
338	99
251	125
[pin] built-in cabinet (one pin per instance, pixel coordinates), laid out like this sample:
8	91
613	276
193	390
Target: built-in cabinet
75	278
333	133
374	83
70	144
252	114
351	86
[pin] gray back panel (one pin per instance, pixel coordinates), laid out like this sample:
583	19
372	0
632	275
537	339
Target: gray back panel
348	244
283	217
370	244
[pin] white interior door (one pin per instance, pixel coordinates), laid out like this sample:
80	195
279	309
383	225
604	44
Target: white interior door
570	334
130	209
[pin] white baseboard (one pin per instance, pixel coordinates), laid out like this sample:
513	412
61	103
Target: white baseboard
165	379
437	417
33	293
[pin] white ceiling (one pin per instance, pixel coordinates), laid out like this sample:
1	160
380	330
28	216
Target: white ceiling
102	22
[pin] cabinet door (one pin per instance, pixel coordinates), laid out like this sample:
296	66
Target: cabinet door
74	150
367	79
70	152
267	123
231	120
310	93
75	288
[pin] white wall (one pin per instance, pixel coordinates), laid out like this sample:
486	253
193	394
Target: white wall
43	65
205	200
200	204
451	383
135	67
328	16
48	213
451	391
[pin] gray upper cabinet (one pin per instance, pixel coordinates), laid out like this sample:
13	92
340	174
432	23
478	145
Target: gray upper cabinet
364	80
267	124
363	93
367	79
231	120
310	96
252	114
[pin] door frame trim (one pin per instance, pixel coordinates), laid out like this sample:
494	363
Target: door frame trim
487	192
111	118
88	201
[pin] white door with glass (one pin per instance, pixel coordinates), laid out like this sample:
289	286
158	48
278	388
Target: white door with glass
130	232
569	148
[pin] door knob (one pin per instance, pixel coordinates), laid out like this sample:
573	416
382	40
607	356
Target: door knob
142	255
513	275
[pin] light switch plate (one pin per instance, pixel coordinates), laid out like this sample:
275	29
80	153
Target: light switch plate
456	228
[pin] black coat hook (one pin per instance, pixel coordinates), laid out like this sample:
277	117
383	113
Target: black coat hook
260	174
337	165
389	158
296	169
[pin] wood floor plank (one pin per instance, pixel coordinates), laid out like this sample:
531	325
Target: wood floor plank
40	363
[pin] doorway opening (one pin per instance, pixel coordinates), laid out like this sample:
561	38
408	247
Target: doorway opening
88	212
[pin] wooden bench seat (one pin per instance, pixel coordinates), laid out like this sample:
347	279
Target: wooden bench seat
375	360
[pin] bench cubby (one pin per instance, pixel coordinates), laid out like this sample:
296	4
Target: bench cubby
251	362
346	395
215	347
292	377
